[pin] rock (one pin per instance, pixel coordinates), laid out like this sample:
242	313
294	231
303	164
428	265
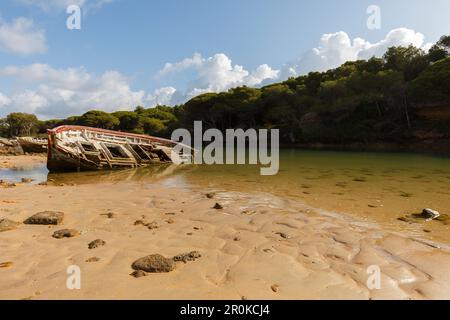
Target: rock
7	225
170	221
6	264
138	274
46	218
154	263
66	233
430	214
218	206
274	287
427	215
210	195
109	215
185	257
96	243
27	180
93	259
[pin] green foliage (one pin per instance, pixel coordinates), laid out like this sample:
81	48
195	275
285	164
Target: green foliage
433	85
99	119
21	124
359	101
440	50
409	60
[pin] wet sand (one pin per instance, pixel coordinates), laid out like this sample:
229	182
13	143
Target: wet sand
258	246
22	161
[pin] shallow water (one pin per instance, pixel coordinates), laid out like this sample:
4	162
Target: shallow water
379	187
36	173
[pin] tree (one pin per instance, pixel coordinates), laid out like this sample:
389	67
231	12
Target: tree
153	126
409	60
433	85
99	119
4	128
22	124
440	50
129	120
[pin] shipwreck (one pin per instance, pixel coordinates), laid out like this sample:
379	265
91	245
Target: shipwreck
32	144
79	148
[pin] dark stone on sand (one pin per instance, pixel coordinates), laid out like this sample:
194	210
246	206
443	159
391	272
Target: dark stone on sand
27	180
138	274
96	243
154	263
66	233
430	214
185	257
218	206
46	218
93	259
426	215
210	195
8	225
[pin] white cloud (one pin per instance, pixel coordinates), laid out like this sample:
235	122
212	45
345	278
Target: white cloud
51	92
184	64
62	92
161	96
21	37
217	73
337	48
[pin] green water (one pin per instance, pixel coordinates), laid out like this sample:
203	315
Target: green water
379	187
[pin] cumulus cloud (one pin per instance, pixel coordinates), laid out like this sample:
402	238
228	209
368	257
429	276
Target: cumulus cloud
161	96
217	73
337	48
51	92
184	64
62	92
21	37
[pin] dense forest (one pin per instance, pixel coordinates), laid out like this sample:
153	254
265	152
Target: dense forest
400	98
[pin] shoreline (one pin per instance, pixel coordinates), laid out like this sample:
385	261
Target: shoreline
255	243
427	147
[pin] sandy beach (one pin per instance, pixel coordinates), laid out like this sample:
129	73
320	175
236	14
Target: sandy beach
252	246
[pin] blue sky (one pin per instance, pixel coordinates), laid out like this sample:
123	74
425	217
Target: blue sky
124	44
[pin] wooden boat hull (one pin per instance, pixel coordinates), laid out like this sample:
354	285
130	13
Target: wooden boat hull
32	145
78	148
